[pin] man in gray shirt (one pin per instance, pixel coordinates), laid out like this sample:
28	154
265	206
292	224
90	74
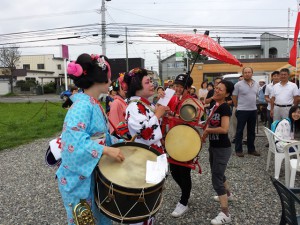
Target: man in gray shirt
244	99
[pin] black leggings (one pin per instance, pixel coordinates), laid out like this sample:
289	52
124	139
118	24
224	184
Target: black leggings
182	176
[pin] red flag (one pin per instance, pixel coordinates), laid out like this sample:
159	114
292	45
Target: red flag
293	52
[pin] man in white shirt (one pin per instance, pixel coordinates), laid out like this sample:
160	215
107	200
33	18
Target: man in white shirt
285	95
268	95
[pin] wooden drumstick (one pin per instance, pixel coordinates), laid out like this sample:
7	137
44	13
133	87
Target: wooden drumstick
133	138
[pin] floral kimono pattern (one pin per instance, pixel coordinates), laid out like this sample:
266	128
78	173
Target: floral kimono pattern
143	123
117	112
84	123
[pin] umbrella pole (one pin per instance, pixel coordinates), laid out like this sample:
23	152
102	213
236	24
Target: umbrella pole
189	71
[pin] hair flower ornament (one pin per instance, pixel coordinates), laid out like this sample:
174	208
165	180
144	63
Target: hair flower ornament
95	57
74	69
102	63
134	71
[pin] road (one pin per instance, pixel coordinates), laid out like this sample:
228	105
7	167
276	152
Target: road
31	98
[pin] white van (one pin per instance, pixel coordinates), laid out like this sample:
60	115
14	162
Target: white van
233	77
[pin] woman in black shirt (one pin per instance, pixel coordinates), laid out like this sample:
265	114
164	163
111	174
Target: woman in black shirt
220	148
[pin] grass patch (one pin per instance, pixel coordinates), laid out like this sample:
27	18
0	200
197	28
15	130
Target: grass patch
21	123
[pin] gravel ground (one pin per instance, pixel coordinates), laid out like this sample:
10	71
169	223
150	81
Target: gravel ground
29	193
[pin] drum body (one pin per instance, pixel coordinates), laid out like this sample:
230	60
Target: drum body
183	143
122	193
191	109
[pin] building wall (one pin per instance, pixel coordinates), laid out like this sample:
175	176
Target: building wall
37	75
272	41
258	67
248	53
118	65
171	68
4	87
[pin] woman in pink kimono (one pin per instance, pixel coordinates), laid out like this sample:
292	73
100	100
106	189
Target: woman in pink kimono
85	137
118	106
142	117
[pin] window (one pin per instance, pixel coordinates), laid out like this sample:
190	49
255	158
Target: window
251	56
59	66
179	65
170	65
26	66
273	53
30	78
40	66
242	57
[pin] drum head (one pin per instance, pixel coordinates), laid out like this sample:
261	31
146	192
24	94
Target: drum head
188	112
130	173
183	143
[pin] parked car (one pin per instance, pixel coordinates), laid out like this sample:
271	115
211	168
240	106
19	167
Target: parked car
65	94
234	78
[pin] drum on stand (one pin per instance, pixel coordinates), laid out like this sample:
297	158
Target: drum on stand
183	143
122	193
191	109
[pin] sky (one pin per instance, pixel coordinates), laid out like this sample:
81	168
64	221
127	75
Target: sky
77	24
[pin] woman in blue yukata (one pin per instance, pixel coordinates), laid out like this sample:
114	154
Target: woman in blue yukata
143	118
85	136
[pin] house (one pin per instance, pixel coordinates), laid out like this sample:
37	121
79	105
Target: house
173	65
5	76
42	68
271	46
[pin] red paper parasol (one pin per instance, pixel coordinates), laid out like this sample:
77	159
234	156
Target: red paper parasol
204	45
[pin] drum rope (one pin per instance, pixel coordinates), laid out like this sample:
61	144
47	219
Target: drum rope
156	201
111	191
145	203
142	193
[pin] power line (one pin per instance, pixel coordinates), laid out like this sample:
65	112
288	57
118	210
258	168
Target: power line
38	16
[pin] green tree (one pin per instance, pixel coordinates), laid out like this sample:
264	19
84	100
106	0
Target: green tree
9	56
193	55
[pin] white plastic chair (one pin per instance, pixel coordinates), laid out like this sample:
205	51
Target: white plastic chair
272	149
291	165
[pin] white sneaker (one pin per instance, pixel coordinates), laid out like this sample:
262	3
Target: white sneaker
230	198
179	210
221	219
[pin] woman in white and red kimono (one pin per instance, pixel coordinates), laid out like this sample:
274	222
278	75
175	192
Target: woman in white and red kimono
143	118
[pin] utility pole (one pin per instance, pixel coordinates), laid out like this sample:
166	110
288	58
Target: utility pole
159	66
218	39
103	28
288	33
127	65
